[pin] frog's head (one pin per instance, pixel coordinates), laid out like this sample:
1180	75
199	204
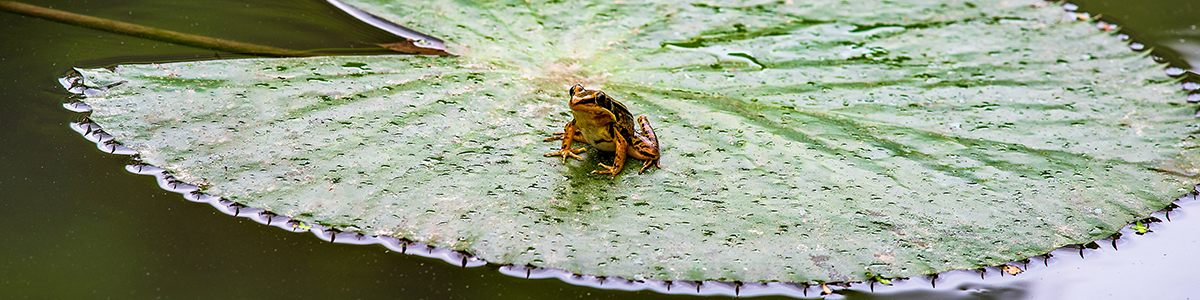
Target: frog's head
587	100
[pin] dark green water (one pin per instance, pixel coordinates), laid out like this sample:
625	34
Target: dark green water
76	225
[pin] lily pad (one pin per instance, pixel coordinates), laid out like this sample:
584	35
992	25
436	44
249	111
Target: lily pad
801	141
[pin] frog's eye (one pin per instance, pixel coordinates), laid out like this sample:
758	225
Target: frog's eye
603	97
575	90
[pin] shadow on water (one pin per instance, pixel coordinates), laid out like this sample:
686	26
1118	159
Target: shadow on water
75	221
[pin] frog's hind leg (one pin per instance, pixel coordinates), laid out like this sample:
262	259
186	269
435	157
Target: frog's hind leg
648	131
648	155
647	160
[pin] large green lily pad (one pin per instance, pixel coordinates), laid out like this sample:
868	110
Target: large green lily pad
806	141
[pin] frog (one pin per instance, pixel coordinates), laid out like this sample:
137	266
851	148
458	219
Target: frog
607	125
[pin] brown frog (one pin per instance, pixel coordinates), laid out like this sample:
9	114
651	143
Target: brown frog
606	124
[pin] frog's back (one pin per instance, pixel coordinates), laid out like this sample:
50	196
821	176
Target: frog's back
624	118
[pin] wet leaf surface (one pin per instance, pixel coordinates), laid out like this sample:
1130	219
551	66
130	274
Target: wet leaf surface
801	141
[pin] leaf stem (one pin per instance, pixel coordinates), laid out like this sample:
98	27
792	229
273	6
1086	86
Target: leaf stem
146	32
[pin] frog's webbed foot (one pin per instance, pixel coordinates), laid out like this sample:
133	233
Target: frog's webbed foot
612	170
646	165
567	152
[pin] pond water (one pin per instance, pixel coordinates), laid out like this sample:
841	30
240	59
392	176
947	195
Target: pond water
78	226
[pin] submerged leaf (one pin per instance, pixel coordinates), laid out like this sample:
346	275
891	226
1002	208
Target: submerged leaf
801	142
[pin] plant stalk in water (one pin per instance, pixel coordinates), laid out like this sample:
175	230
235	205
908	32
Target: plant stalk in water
147	32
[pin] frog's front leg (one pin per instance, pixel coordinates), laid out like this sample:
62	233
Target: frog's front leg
645	145
570	134
619	161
